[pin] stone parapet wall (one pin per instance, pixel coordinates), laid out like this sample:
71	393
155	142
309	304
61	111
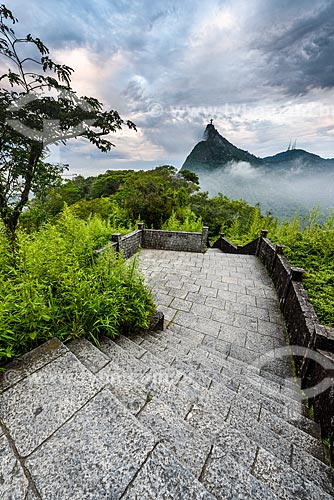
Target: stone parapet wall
160	240
130	243
175	240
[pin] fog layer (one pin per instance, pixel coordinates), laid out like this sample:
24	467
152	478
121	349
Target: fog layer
278	189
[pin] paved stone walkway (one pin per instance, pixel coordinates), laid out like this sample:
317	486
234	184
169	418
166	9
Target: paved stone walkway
178	414
226	300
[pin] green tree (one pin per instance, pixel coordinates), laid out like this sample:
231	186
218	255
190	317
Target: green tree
38	108
189	176
109	183
153	195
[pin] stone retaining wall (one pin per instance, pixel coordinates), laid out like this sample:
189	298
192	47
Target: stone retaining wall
175	240
303	325
128	244
160	240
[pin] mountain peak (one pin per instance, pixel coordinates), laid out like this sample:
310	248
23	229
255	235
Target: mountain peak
215	151
210	131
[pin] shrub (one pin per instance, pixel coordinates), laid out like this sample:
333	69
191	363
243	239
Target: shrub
60	288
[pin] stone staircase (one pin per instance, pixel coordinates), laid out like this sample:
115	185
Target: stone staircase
155	416
237	444
161	415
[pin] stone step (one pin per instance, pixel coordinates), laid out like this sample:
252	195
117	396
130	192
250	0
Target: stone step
294	412
176	333
227	479
290	409
189	445
135	382
156	382
223	366
285	482
267	435
211	425
175	339
74	438
281	427
200	358
162	476
242	446
213	465
291	412
296	436
275	426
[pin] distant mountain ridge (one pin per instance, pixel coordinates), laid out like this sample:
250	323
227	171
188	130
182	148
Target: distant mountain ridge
214	152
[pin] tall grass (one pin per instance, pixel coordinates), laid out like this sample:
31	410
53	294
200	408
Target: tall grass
60	288
186	220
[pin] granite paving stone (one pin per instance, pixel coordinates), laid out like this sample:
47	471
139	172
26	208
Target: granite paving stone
243	354
270	328
220	285
216	345
173	292
295	436
198	298
122	359
235	307
138	351
226	295
257	312
31	362
187	319
284	481
319	473
227	479
162	476
202	310
260	434
233	334
37	406
178	437
208	291
81	462
91	357
215	302
224	317
13	482
169	313
259	343
246	299
182	305
162	299
246	322
207	326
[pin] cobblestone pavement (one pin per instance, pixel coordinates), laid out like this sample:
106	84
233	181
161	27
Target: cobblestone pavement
228	298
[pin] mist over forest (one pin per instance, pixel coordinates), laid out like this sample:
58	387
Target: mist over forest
278	190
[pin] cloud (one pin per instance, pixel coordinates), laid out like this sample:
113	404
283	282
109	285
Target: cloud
299	50
255	67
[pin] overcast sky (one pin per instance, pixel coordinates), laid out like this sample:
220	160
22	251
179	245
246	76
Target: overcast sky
262	69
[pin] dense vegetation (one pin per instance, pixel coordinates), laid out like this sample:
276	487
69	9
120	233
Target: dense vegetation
59	287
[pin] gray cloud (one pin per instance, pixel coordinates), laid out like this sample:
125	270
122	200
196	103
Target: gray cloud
191	59
300	52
